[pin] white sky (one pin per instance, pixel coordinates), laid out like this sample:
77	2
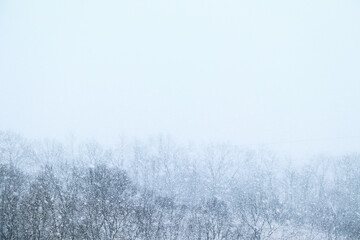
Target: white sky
281	73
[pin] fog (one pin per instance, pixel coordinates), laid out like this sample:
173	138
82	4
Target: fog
279	74
181	120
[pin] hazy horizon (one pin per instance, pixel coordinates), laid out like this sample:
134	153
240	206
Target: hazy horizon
279	74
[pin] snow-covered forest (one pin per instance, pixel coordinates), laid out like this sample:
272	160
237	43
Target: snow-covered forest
159	189
179	120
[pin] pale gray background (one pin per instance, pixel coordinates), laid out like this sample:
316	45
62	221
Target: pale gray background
284	74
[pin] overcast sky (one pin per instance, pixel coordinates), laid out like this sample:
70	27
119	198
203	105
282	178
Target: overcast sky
285	74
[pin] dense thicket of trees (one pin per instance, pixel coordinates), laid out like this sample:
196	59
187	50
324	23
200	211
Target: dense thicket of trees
160	190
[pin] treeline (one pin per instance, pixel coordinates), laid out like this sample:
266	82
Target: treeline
160	190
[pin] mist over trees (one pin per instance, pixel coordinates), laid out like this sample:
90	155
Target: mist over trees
159	189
